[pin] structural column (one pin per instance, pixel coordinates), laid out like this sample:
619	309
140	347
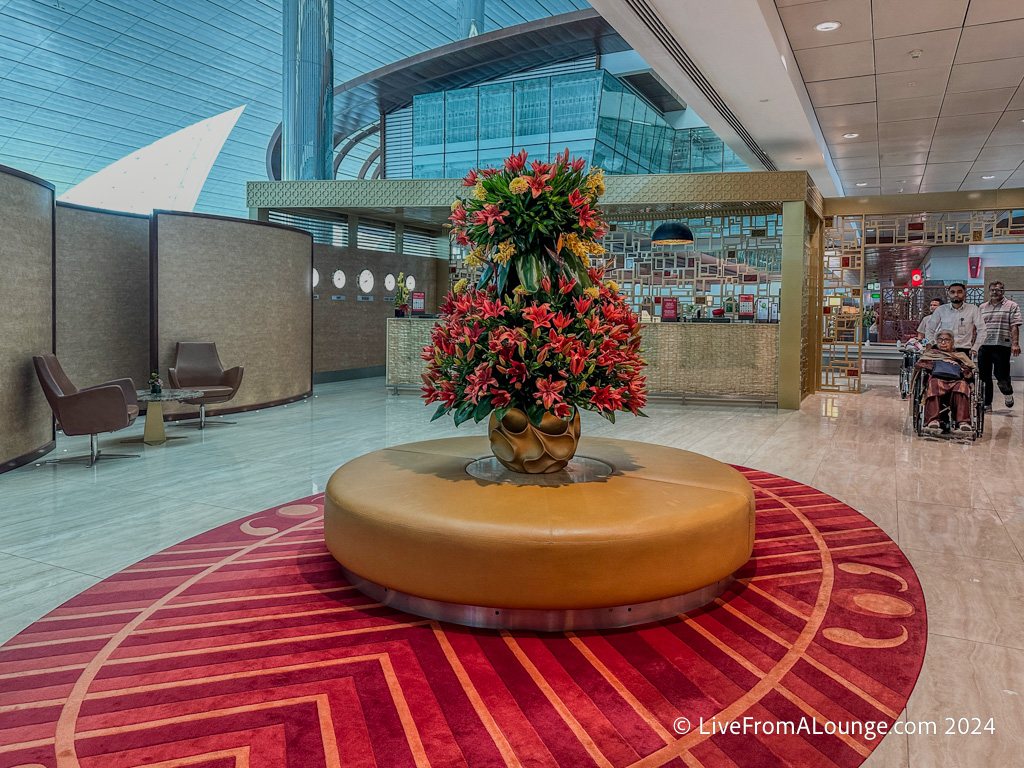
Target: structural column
307	124
792	304
471	18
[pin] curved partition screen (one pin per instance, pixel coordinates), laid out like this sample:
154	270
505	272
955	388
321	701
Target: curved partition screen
244	285
101	295
26	315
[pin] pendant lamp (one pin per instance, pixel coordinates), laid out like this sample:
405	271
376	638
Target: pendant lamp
672	233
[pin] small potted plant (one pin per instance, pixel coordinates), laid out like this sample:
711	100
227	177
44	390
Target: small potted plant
155	383
401	296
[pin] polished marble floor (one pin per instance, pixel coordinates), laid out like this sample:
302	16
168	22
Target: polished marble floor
956	509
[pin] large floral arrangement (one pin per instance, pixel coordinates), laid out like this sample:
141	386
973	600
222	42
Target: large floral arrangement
540	330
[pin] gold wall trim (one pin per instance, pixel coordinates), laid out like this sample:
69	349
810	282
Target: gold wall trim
989	199
650	196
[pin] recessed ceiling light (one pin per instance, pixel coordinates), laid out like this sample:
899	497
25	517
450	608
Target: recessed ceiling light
862	183
828	26
988	177
850	135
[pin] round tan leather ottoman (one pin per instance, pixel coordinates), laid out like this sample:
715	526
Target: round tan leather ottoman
661	535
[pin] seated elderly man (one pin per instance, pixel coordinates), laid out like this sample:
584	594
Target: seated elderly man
950	372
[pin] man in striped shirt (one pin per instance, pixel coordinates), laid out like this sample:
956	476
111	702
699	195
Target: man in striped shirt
1002	323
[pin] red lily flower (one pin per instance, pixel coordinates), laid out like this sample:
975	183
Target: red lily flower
578	164
539	315
545	284
548	392
588	217
562	410
516	163
582	304
561	321
576	199
515	371
462	239
600	232
577	363
490	309
489	172
539	183
500	398
470	180
541	168
565	286
490	215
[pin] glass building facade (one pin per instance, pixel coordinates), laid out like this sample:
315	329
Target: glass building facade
85	83
593	114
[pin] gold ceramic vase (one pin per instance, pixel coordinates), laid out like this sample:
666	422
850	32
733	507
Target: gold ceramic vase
523	447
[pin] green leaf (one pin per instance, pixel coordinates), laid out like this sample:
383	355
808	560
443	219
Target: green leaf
502	277
485	277
528	267
482	409
536	413
500	413
464	412
442	409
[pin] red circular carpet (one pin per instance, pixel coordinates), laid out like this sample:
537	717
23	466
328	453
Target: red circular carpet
244	647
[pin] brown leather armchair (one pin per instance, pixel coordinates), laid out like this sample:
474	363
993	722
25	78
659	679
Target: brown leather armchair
103	408
197	366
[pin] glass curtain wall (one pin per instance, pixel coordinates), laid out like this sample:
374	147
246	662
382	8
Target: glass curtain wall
592	113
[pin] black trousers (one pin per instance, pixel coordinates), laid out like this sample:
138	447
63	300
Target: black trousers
994	358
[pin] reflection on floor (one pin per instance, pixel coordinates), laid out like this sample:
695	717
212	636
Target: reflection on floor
956	509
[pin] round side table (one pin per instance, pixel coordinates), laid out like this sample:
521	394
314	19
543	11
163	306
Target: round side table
154	433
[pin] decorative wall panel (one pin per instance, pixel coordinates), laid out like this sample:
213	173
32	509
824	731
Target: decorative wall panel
349	333
900	309
102	295
842	307
26	312
710	360
246	286
683	359
731	256
406	337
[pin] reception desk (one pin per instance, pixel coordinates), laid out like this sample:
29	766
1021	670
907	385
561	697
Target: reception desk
688	360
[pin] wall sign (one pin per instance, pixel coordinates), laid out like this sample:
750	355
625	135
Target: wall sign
762	309
670	309
419	302
337	298
747	306
363	298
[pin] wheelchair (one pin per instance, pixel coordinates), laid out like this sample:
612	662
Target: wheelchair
910	357
977	397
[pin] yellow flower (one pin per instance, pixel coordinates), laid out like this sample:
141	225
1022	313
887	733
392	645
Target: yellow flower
611	285
518	185
456	205
506	250
594	247
593	291
479	192
474	258
520	291
595	182
460	287
574	244
585	261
